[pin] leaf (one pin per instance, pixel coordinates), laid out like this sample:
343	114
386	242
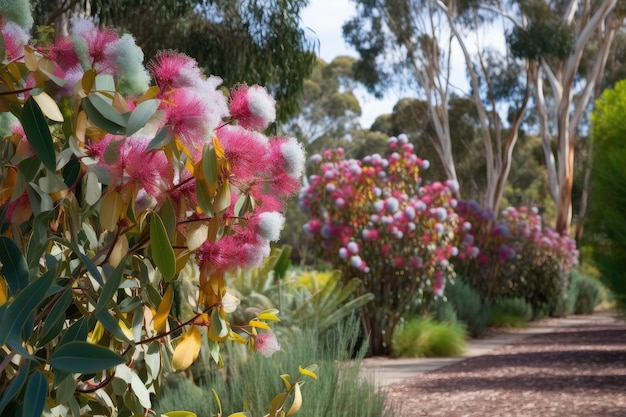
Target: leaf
297	400
286	380
49	107
209	163
88	80
55	319
14	387
180	414
77	331
99	120
23	305
187	349
219	328
110	287
47	67
308	371
163	312
91	267
14	267
84	358
4	291
204	197
162	138
112	325
38	133
197	234
277	403
106	109
162	251
35	394
119	251
259	324
222	199
30	59
142	113
110	210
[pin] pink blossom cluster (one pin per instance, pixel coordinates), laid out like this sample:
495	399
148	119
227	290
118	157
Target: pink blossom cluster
192	113
374	216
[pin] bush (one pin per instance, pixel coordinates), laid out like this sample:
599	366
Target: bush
422	337
337	393
510	312
585	293
470	308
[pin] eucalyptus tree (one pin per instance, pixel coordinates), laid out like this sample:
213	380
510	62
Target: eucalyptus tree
419	39
251	41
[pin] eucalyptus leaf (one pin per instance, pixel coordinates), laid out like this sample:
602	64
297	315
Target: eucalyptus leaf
209	163
15	386
110	287
55	319
77	331
101	121
84	358
110	323
162	252
35	394
38	133
162	138
140	116
14	267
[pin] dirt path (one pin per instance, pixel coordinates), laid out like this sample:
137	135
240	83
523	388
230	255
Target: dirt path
576	371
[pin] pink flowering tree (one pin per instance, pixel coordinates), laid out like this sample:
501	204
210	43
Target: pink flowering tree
118	181
373	219
519	257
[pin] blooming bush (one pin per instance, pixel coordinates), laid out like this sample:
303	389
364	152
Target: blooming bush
519	257
109	189
373	219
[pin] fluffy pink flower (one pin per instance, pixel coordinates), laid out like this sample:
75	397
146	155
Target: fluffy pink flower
266	344
96	41
174	70
247	151
252	107
186	112
15	37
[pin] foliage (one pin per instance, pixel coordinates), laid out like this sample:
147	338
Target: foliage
422	337
338	392
251	41
510	312
470	308
518	257
584	293
608	196
373	219
123	206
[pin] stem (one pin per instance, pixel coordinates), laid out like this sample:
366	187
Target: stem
6	361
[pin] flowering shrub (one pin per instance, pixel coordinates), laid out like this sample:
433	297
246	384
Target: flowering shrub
109	189
373	219
519	257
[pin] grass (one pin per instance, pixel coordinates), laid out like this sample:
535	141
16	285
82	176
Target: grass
422	337
253	382
510	312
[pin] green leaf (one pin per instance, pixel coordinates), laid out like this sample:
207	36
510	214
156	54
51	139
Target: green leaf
110	287
84	358
14	387
162	251
99	120
14	267
167	212
91	267
29	168
38	133
65	390
39	238
105	108
110	323
162	138
77	332
205	200
222	200
71	171
209	163
142	113
55	319
35	394
23	305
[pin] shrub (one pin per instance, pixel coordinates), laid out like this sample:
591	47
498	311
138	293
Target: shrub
470	308
510	312
374	220
422	337
586	293
337	393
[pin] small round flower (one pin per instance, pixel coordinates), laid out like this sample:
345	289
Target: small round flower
252	106
340	202
343	253
353	247
315	158
266	344
392	204
270	225
356	261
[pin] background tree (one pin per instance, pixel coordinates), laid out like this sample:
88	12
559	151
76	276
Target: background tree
417	38
554	35
249	41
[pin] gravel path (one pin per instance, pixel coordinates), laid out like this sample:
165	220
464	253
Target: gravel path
576	371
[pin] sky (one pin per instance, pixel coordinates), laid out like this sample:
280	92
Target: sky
325	18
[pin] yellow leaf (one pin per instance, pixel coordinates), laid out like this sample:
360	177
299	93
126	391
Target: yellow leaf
126	330
98	332
219	151
151	93
268	316
180	414
30	59
49	107
110	210
119	251
4	293
297	400
160	318
308	372
89	79
187	349
286	380
236	337
197	234
120	104
259	324
238	415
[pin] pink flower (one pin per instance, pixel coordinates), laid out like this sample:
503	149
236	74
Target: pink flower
174	70
252	107
266	344
247	151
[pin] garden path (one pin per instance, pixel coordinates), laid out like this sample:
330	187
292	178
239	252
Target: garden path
574	366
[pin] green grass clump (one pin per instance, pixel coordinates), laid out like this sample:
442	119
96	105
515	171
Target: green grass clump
510	312
250	384
422	337
584	293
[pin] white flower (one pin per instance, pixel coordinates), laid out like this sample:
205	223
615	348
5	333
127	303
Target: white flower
293	154
270	225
